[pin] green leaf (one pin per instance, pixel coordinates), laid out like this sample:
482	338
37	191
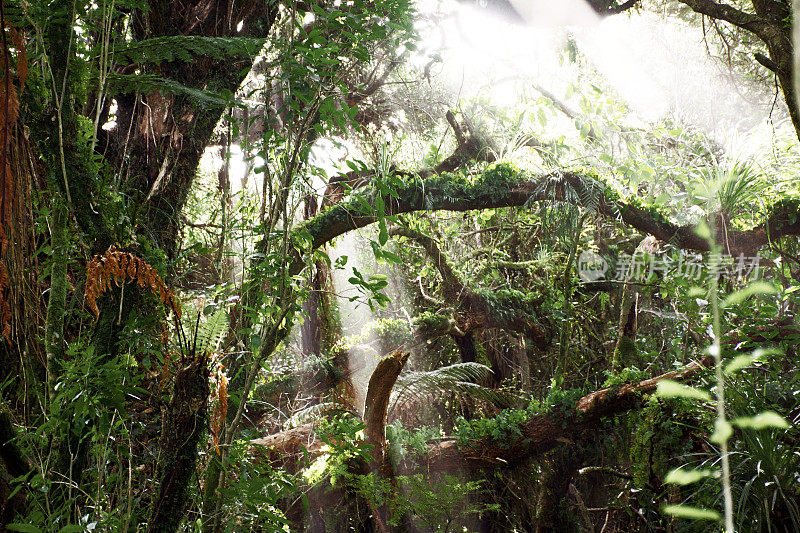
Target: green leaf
365	207
694	513
668	388
383	234
757	287
391	257
255	342
380	206
27	528
722	432
767	419
703	231
687	476
72	528
743	361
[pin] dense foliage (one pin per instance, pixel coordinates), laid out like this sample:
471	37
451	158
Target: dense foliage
353	266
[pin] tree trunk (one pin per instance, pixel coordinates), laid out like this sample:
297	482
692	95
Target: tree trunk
183	423
563	463
466	347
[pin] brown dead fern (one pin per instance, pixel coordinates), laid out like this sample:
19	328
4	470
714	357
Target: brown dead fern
220	405
118	267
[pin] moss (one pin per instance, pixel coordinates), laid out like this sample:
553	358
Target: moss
658	436
507	303
629	374
506	427
432	324
656	213
625	352
389	331
499	175
275	385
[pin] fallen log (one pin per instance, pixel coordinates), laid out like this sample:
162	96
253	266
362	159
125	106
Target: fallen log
540	433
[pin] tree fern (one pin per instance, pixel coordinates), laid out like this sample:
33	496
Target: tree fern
461	378
186	48
209	333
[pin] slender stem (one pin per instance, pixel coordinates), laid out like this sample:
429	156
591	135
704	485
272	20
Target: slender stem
721	423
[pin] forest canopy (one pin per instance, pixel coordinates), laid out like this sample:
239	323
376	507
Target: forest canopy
399	265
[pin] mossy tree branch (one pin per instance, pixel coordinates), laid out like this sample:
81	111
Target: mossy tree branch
503	187
545	431
505	310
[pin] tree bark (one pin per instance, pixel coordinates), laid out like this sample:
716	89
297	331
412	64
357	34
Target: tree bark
183	423
376	406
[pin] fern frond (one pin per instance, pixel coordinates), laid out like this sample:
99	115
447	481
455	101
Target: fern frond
462	378
586	193
313	412
119	268
146	83
211	332
186	48
499	398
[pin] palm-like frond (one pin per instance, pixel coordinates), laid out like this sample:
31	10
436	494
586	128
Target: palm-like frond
461	378
729	188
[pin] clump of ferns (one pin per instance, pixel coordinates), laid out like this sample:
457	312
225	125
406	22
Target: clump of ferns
563	196
117	267
584	189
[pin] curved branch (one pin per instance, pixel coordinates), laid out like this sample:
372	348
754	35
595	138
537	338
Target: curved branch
480	309
454	285
731	15
622	7
377	404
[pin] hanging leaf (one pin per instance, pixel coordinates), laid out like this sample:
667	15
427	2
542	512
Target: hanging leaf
767	419
694	513
668	388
